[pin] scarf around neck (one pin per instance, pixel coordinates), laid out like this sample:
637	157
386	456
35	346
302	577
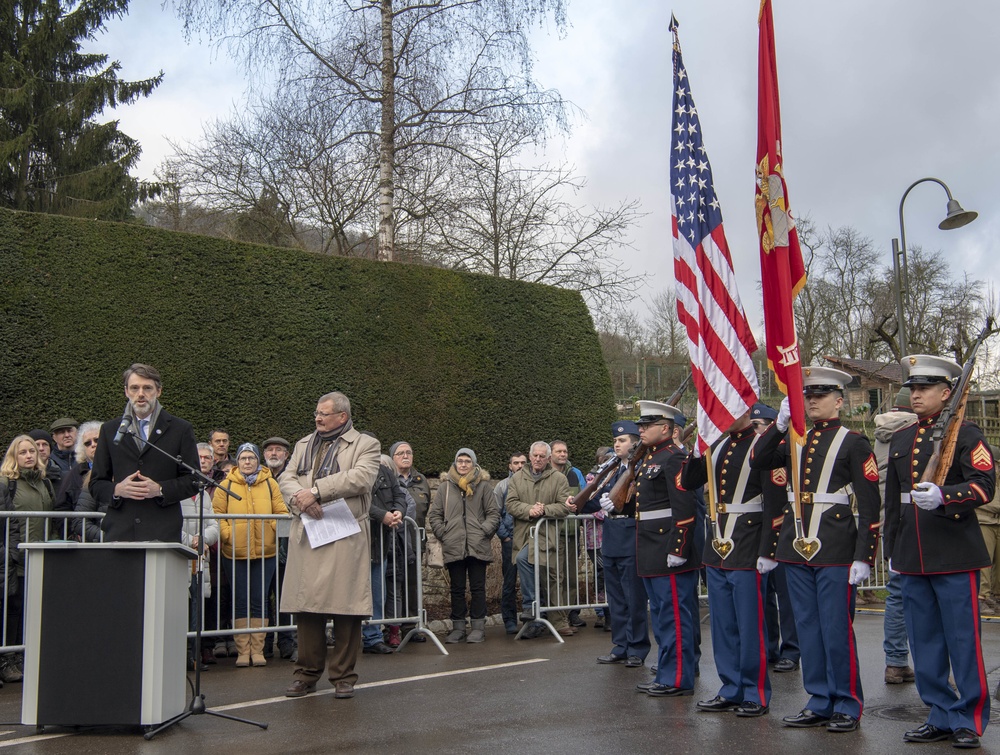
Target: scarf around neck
327	465
466	484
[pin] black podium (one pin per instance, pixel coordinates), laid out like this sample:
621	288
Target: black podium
105	633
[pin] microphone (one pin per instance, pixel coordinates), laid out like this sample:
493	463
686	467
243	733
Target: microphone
126	421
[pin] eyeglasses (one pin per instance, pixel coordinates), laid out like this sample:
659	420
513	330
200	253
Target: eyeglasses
325	414
89	443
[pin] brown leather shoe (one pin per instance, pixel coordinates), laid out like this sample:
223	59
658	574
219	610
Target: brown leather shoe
300	688
567	631
898	674
343	690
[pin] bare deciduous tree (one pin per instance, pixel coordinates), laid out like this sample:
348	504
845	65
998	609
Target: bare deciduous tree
406	74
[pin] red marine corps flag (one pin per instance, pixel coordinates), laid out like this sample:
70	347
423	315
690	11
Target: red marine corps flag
708	303
781	269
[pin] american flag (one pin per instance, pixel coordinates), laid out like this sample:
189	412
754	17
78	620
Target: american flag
708	303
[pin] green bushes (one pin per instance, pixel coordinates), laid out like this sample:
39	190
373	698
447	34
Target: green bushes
248	337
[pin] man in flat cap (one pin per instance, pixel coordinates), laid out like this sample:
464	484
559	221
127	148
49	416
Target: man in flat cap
627	601
668	554
64	434
934	542
835	466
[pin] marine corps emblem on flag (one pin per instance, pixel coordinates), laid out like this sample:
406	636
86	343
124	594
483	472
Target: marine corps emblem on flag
982	459
871	468
779	476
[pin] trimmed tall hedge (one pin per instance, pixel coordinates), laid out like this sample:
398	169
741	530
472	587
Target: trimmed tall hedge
248	337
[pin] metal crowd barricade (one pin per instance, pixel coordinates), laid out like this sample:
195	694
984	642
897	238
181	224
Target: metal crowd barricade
405	590
55	525
402	582
561	583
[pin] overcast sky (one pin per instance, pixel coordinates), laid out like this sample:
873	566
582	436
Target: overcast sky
875	94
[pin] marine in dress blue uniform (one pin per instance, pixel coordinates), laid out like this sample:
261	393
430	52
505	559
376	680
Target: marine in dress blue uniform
934	541
668	554
749	508
628	606
782	640
836	465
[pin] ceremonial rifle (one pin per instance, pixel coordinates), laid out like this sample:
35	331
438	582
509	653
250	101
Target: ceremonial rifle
625	486
944	436
602	473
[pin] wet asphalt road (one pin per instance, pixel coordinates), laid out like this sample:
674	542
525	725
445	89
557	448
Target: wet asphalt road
509	696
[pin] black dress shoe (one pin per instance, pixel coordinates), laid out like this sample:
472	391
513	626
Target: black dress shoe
804	719
611	658
643	686
663	690
717	704
379	648
927	733
966	739
750	709
785	665
841	723
633	661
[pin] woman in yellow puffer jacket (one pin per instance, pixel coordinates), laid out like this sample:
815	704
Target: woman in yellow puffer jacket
249	546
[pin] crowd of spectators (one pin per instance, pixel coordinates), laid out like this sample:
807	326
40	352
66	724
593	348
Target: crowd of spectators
243	560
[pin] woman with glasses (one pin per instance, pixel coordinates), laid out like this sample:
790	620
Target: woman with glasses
464	516
249	546
78	478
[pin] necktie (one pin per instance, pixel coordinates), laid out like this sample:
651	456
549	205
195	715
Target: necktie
143	428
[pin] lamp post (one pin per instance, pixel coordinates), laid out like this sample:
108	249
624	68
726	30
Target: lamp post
956	217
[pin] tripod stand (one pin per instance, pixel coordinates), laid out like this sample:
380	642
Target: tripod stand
197	705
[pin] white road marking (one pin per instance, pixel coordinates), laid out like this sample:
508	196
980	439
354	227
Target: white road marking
384	683
283	699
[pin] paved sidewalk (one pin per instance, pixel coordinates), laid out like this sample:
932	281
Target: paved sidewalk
507	696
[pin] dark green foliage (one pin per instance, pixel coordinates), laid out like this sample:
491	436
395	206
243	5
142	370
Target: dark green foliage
248	337
54	155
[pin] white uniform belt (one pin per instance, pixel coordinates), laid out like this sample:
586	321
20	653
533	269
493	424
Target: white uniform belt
831	498
747	507
647	515
904	498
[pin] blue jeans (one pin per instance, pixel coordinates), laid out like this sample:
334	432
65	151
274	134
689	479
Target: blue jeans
897	650
372	634
251	575
526	572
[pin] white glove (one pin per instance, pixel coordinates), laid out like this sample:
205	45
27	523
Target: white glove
674	561
765	564
696	453
860	571
926	495
784	415
606	505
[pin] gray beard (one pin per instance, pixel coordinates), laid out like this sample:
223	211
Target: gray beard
274	466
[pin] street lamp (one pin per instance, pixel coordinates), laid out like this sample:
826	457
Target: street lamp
956	217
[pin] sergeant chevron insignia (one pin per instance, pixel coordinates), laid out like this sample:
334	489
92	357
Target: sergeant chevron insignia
779	476
871	468
982	459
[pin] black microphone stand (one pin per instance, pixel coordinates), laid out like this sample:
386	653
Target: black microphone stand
197	705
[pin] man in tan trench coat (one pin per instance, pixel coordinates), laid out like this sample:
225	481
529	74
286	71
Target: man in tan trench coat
333	580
